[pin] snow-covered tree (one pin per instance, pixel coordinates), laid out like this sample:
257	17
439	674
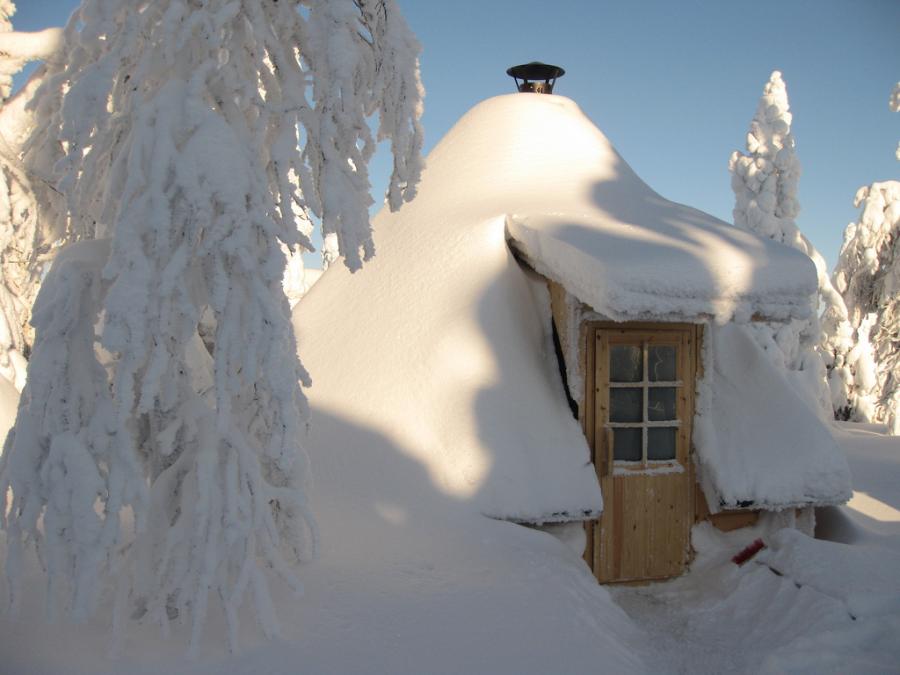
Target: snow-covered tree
865	338
191	136
765	182
21	243
863	335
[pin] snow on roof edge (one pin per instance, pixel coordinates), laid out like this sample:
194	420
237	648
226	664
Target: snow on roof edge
611	291
757	443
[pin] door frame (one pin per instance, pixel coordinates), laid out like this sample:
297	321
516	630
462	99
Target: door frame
593	423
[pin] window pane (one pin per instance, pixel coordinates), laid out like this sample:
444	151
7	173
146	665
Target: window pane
661	443
626	405
661	363
627	445
626	363
661	404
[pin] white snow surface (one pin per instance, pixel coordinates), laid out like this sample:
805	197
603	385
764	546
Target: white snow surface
9	403
582	217
410	582
872	516
661	260
443	341
757	440
801	605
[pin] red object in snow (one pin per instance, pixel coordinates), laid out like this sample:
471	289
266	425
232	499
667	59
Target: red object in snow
748	552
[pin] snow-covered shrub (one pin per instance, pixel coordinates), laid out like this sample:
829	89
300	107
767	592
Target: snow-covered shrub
765	182
864	339
194	134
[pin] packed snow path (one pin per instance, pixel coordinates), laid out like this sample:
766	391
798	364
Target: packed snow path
722	619
800	605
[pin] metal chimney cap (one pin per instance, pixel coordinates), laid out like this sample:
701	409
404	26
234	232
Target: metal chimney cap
537	77
535	71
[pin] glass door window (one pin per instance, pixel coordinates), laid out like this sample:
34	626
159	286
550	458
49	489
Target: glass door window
644	383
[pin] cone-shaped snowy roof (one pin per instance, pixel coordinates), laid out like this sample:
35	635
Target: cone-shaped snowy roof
583	217
441	342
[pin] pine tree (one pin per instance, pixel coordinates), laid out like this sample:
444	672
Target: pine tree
765	182
190	137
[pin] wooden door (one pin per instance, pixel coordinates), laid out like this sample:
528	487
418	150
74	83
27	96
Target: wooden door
641	396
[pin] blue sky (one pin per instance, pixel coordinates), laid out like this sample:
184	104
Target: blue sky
674	84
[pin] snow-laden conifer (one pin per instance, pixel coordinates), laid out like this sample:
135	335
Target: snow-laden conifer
22	245
865	339
765	182
193	134
863	334
765	179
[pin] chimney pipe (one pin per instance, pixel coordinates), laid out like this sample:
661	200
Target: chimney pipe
537	77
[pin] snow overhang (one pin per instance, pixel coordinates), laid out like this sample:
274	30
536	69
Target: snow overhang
758	443
671	263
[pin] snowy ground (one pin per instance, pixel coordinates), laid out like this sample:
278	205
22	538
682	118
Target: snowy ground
411	580
801	605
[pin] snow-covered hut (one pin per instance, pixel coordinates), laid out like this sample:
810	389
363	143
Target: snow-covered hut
555	342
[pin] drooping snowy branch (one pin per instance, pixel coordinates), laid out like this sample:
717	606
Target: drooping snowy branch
339	142
765	182
17	48
65	417
22	246
198	135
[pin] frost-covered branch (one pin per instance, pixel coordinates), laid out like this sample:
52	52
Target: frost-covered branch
25	46
22	246
18	48
198	136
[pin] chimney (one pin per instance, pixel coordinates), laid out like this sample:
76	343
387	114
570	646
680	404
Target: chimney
537	77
